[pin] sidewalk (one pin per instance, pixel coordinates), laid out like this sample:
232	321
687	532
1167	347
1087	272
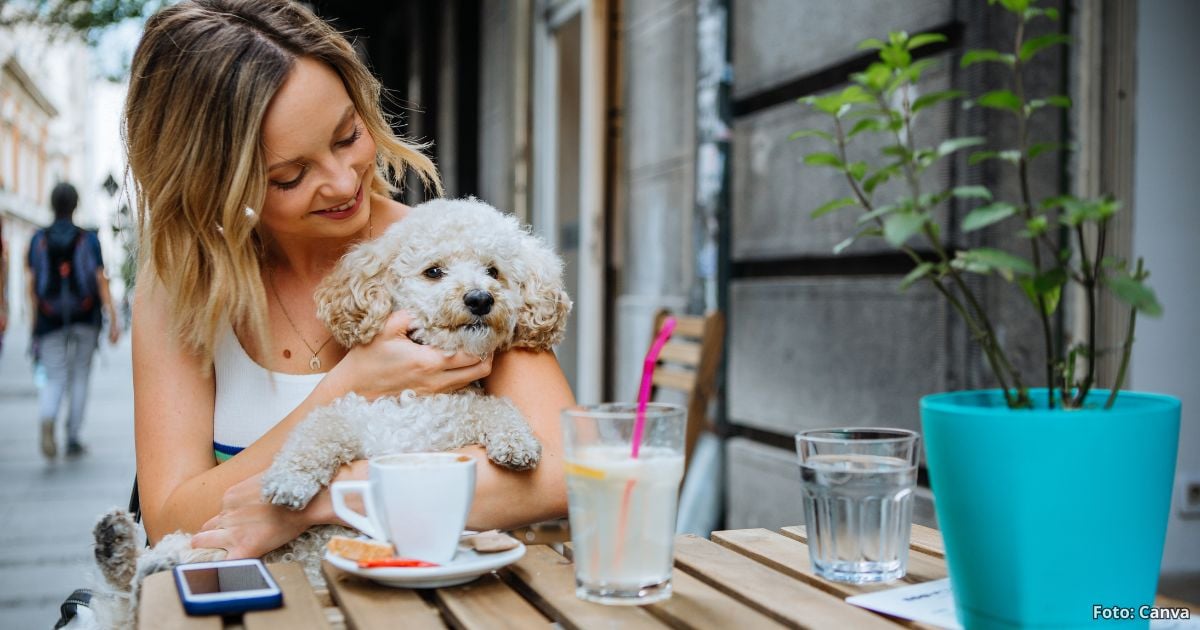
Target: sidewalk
47	509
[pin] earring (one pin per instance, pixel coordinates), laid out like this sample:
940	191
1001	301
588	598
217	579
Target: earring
250	213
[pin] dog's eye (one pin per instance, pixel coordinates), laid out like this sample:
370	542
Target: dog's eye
493	272
433	273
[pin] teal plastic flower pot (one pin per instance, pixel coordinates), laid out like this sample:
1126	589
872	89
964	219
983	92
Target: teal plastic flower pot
1047	514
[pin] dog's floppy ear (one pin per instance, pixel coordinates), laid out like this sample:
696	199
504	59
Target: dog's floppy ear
542	318
353	300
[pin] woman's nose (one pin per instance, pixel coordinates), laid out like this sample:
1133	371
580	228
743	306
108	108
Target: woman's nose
342	183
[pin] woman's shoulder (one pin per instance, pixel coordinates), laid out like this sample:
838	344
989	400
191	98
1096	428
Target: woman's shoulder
386	213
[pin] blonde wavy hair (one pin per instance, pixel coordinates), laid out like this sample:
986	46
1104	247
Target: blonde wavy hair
202	77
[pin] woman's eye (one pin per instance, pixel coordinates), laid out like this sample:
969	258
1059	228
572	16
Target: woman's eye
493	272
291	183
433	273
352	138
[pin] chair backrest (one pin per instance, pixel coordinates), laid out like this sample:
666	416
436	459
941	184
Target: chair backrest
688	364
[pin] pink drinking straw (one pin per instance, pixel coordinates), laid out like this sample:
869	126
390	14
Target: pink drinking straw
639	422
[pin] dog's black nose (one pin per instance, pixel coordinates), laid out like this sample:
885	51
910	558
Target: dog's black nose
479	301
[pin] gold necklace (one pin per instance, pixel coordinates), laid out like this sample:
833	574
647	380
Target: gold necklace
315	362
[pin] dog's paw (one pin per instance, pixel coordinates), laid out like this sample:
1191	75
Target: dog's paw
516	453
292	493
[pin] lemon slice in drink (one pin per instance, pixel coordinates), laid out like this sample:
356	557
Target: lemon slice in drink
583	471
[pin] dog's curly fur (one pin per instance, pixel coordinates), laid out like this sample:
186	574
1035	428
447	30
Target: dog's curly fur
425	264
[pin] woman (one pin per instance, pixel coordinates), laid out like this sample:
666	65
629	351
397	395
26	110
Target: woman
260	155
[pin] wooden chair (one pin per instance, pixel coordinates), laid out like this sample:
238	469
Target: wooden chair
688	364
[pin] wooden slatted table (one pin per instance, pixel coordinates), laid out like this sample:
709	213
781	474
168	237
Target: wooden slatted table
744	579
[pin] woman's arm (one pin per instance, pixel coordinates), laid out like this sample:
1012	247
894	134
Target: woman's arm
505	499
182	488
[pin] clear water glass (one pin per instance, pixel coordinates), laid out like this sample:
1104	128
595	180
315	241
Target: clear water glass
858	488
622	509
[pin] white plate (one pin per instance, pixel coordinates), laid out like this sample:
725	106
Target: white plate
467	565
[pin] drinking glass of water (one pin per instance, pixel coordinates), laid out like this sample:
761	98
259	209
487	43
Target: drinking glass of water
622	503
858	487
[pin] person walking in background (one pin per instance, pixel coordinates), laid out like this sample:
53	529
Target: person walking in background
65	275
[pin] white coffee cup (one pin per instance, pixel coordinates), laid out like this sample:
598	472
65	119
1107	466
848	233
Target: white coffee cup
416	501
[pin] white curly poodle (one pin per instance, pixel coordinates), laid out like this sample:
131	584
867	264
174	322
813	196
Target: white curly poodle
474	281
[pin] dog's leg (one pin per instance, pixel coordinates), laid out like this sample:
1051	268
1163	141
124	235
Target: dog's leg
314	451
117	548
504	432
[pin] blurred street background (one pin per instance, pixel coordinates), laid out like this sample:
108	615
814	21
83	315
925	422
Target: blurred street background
47	508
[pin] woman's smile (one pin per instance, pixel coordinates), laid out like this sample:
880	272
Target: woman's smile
345	210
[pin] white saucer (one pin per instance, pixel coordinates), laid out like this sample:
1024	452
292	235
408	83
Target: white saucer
467	565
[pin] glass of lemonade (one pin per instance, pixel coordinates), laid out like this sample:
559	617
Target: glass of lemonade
858	487
622	509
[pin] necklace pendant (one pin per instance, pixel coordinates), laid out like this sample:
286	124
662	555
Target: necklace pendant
314	364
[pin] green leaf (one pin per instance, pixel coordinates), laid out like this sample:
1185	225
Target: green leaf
1034	227
1059	101
870	44
984	216
857	170
989	259
899	227
972	192
1016	6
1041	147
1032	46
879	177
1001	99
867	124
823	159
879	212
875	77
1010	155
836	204
838	103
808	133
1050	279
920	271
1135	294
972	57
954	144
912	74
933	98
895	57
841	247
925	39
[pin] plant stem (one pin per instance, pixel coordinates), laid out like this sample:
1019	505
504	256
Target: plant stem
1027	204
985	339
1125	354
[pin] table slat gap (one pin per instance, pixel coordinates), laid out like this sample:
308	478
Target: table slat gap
159	607
695	604
790	557
300	606
783	598
924	539
488	602
367	605
547	580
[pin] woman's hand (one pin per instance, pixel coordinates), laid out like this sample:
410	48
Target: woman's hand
392	363
246	527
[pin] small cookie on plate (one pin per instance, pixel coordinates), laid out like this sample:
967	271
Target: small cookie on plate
492	541
359	549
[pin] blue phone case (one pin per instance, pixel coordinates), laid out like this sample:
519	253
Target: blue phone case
227	603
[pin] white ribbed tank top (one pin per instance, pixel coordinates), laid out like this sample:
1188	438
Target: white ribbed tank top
250	398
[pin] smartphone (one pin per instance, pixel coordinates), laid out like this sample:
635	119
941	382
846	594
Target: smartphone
226	587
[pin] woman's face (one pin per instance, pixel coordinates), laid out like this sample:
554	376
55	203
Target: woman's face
320	158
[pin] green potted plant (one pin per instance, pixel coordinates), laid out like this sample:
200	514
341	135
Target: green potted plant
1051	499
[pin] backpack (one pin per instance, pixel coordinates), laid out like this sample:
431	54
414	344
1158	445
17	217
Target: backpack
64	268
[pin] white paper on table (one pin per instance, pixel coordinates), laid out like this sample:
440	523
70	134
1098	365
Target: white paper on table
927	602
933	603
